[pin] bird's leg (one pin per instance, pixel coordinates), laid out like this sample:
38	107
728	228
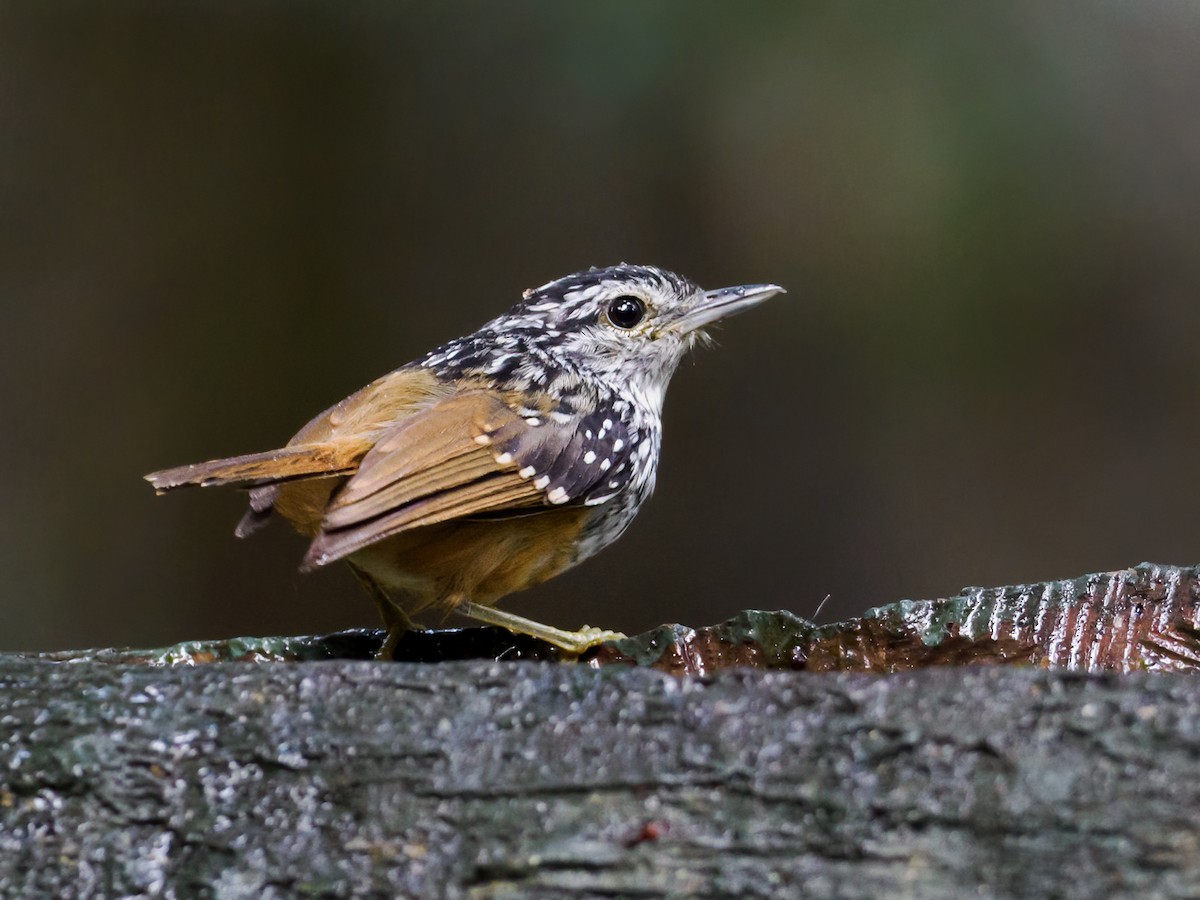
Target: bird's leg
395	619
574	642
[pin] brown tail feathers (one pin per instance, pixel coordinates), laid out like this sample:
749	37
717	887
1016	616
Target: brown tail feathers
257	469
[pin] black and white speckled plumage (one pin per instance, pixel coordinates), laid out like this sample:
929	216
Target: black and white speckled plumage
499	459
591	394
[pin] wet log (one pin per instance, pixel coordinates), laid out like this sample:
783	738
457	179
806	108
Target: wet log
1145	618
340	777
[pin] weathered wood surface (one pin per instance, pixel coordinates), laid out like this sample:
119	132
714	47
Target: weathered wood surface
1145	618
337	777
485	779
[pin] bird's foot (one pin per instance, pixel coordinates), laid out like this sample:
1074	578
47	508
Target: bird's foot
571	642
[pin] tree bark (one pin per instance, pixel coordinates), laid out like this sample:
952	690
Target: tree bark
487	779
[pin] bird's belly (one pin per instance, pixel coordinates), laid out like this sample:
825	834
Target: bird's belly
477	560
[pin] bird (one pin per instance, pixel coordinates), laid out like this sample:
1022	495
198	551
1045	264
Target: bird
495	461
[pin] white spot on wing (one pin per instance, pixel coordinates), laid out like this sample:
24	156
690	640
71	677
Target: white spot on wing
527	472
558	495
541	483
589	457
504	458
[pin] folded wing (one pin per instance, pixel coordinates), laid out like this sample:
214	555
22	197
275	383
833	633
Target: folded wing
472	454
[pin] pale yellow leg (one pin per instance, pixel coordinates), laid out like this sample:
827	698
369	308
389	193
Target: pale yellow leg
571	641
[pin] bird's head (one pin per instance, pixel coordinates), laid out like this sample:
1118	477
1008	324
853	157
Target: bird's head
629	325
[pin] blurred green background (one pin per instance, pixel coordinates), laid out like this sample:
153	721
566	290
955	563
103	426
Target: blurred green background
218	218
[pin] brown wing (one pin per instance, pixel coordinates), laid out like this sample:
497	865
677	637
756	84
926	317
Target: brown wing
461	457
354	423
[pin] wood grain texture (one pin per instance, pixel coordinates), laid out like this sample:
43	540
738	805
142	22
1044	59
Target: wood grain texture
1142	619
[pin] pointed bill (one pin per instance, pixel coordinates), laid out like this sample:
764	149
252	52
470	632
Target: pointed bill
725	302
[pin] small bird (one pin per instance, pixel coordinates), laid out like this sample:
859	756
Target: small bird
496	461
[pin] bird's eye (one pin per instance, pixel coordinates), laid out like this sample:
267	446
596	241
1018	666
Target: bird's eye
626	312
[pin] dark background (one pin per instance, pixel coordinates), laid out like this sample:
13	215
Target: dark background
216	219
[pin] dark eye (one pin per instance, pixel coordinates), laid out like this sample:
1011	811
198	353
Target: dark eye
626	312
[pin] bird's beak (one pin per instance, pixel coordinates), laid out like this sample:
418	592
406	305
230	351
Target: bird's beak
725	302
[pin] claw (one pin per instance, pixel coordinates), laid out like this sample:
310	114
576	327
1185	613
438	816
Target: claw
577	642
